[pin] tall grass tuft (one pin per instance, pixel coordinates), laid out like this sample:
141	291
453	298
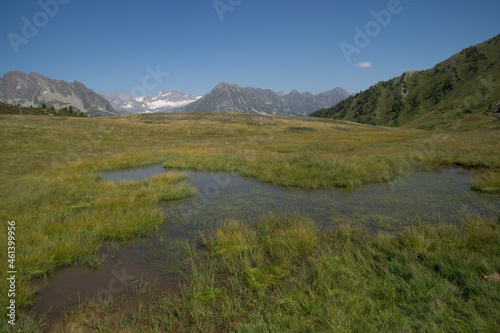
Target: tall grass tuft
428	278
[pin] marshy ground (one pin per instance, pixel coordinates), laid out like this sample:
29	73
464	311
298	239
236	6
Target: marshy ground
281	274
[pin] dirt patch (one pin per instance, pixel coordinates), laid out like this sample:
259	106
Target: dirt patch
493	277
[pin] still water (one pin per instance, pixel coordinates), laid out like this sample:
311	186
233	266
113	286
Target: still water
428	197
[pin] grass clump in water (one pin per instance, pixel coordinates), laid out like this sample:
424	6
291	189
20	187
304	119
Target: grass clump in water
487	182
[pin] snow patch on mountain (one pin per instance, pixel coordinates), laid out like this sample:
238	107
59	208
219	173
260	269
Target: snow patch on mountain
165	101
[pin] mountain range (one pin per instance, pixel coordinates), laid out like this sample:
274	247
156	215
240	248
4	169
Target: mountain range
459	93
35	89
227	97
165	101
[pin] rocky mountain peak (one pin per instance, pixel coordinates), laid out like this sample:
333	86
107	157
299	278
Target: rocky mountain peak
227	97
35	89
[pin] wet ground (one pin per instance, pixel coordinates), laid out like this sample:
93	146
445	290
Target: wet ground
430	197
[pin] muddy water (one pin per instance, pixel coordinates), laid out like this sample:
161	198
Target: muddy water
77	285
443	196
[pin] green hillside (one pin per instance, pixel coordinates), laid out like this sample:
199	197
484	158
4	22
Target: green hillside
460	93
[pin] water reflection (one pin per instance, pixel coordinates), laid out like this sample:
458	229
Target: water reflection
430	196
443	196
134	174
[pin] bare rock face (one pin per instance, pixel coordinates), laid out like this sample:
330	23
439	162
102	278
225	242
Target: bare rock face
35	89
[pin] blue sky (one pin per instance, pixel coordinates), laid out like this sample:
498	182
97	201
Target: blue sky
112	45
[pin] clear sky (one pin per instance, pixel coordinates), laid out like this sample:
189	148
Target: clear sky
112	45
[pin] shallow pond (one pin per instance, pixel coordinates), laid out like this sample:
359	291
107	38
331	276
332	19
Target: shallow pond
443	196
432	197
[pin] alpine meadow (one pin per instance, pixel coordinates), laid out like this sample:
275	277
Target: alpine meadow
245	209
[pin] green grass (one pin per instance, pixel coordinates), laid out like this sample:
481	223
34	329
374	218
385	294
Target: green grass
64	212
488	182
282	275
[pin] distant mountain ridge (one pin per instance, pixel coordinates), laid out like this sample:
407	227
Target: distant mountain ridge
165	101
226	97
36	89
462	92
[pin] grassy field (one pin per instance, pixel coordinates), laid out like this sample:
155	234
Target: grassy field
64	211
